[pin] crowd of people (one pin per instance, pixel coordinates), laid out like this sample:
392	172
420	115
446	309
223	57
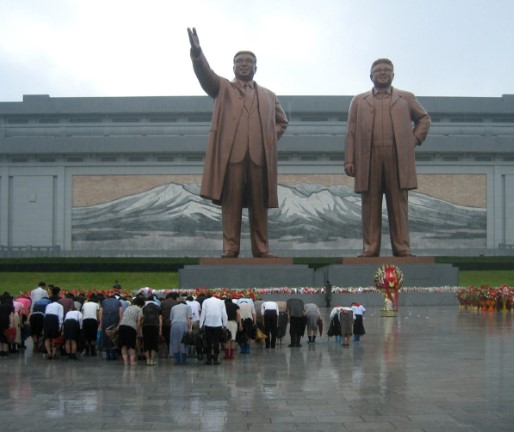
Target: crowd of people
137	327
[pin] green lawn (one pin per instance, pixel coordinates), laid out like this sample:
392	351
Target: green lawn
16	282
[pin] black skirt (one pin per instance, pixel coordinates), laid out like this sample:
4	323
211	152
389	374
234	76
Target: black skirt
51	327
71	330
358	326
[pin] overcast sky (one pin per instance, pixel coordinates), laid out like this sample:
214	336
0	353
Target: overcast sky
76	48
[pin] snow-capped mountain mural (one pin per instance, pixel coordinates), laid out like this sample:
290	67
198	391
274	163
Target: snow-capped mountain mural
310	216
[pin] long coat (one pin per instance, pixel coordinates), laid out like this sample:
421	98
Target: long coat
405	110
228	107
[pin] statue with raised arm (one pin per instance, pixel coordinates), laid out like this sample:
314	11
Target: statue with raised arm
240	168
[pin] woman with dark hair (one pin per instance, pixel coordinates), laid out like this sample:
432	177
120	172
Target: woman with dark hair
358	323
129	326
54	317
72	331
346	320
110	316
312	315
6	321
151	328
181	317
233	324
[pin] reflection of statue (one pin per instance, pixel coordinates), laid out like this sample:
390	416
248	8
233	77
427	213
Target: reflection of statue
241	160
380	154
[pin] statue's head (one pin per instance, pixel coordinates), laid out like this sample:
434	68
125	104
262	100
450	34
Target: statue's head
382	73
245	65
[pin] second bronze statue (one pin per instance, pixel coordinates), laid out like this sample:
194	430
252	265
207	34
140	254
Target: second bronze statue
384	127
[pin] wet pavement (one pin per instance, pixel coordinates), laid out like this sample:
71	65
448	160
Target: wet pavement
429	369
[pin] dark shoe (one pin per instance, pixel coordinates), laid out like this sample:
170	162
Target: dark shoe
291	345
215	362
298	345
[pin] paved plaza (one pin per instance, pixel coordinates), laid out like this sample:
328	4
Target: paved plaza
429	369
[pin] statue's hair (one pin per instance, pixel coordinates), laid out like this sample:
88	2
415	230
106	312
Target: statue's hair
382	60
245	52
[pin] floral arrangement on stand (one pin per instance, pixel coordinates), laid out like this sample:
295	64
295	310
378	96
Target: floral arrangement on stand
486	298
389	281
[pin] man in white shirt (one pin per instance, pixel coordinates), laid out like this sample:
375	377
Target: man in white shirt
213	318
270	313
38	293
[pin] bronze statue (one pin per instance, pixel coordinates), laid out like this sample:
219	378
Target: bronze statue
384	127
240	168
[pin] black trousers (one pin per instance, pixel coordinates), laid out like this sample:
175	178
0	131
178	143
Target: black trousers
271	327
295	329
212	341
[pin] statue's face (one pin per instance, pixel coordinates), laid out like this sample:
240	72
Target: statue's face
382	75
244	67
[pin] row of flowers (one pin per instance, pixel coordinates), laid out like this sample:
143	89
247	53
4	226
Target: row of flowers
253	293
486	297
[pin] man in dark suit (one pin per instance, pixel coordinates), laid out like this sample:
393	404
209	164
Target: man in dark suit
380	154
240	167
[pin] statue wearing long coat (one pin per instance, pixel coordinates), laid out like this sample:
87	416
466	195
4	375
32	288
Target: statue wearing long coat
394	172
228	108
405	110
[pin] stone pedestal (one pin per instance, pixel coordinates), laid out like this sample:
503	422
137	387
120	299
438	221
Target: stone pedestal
360	272
245	273
281	272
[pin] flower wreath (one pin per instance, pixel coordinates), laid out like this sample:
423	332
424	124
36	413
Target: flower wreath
389	280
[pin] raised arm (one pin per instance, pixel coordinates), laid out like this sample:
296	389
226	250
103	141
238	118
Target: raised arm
194	41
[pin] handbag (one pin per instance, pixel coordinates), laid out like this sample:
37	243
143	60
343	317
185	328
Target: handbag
113	333
226	335
10	334
188	339
260	335
241	337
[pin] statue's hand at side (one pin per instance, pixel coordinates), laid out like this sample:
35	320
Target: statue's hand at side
349	169
194	41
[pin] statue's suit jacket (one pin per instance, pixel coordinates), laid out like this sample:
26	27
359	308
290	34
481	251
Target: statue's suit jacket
228	107
405	110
